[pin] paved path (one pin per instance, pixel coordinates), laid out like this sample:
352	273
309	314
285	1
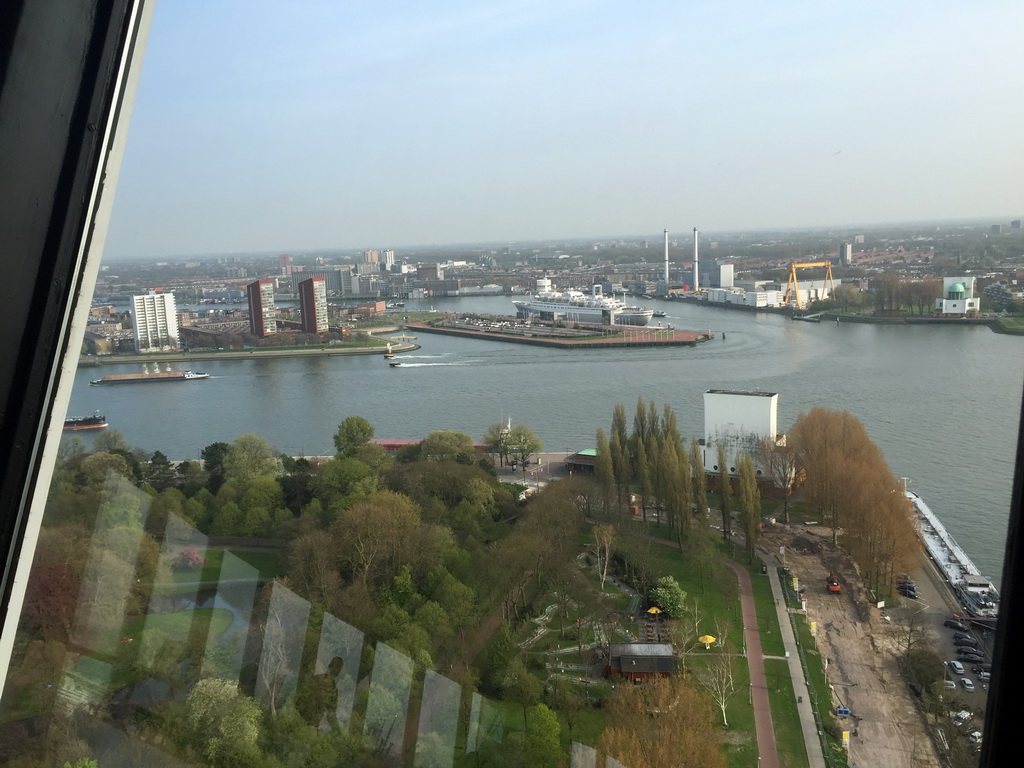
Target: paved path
763	727
810	729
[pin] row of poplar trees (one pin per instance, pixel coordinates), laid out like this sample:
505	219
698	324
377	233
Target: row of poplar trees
653	459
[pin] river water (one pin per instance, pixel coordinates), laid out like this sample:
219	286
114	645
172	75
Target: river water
942	403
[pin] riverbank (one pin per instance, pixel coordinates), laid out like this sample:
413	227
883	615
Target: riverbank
254	352
995	324
631	336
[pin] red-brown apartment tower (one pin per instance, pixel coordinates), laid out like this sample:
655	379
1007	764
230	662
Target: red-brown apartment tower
313	304
261	308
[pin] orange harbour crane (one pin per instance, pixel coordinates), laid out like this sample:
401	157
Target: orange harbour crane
792	297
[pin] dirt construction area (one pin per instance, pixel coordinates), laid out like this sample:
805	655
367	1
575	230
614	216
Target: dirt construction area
859	649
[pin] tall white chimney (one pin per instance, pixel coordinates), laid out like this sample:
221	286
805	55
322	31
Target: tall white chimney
696	263
666	260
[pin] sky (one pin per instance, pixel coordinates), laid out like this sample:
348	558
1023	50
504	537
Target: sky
266	126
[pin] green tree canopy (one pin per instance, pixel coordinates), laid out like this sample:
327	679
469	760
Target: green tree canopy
353	433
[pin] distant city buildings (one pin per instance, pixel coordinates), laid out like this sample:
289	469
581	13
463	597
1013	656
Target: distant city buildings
313	304
262	319
155	322
284	261
845	254
717	274
371	257
387	259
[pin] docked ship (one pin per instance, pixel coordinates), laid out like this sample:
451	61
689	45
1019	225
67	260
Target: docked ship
576	306
137	378
96	421
974	592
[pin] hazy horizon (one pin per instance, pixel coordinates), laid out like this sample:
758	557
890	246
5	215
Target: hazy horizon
319	126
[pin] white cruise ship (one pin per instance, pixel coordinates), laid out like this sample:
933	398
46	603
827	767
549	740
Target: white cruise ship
576	306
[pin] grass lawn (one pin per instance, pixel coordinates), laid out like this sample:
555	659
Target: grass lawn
267	565
789	737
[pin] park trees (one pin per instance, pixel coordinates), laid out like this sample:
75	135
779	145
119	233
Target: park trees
664	722
850	486
724	494
604	536
749	503
670	597
778	457
353	433
604	470
448	445
497	439
248	457
524	443
718	678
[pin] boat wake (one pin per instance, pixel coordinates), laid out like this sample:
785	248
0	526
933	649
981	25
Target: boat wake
433	365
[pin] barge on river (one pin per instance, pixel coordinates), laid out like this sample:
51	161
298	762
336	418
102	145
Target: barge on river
973	591
136	378
96	421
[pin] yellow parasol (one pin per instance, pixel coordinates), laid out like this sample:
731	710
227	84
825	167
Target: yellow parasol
707	640
654	609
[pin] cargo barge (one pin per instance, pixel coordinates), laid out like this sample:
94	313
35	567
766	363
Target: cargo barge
96	421
137	378
974	592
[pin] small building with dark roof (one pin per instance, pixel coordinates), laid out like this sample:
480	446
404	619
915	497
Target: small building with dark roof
582	461
639	661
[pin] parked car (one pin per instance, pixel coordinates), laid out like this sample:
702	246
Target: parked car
949	683
967	683
966	641
971	657
961	717
981	668
956	666
957	625
984	676
962	636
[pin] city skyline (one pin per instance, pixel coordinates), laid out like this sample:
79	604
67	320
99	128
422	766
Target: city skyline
392	126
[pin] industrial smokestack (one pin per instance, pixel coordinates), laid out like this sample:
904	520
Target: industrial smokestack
666	260
696	263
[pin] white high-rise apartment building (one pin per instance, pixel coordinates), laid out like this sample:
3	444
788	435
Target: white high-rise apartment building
155	321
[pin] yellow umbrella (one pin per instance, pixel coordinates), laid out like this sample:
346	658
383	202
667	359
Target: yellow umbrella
707	640
654	609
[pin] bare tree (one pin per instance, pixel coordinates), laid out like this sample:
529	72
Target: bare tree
604	535
778	458
718	678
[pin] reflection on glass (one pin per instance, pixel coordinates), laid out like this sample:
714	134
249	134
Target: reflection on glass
287	616
486	725
109	581
337	664
236	593
439	720
388	705
583	756
173	625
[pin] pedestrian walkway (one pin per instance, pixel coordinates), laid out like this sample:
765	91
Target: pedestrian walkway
765	730
812	742
767	749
